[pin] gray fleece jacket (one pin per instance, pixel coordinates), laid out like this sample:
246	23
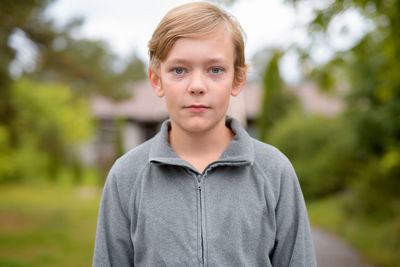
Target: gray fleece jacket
246	209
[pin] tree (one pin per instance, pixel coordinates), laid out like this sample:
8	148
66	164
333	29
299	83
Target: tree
276	101
370	70
87	67
50	124
13	15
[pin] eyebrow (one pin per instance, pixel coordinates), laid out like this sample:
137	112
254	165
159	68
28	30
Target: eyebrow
186	61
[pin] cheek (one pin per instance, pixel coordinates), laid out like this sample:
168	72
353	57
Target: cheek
169	99
224	91
222	98
172	98
169	89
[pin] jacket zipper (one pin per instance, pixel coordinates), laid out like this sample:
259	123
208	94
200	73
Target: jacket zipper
201	225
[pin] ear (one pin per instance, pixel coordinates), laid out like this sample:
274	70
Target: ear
239	82
155	82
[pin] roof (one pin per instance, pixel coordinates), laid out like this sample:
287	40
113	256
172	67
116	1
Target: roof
144	105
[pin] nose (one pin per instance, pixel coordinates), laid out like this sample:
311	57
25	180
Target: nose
197	86
197	91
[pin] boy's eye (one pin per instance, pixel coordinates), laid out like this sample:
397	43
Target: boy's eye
178	70
215	70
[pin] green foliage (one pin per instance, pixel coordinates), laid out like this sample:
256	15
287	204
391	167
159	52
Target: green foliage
134	69
50	124
276	100
87	66
51	111
321	150
370	72
376	188
42	123
13	14
6	166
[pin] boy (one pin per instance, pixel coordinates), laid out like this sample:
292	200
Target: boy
201	192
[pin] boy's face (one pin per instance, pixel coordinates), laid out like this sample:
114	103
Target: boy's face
197	80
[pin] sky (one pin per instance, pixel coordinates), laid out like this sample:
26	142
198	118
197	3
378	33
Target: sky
127	25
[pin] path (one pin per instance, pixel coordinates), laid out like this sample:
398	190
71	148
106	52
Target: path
331	251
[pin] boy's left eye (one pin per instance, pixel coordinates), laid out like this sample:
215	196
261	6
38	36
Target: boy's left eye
215	70
178	70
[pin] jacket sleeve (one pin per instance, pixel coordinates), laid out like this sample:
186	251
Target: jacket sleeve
113	245
293	243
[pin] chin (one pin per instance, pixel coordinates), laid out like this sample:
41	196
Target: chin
197	125
196	128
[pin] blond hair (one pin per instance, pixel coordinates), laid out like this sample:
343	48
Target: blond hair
195	20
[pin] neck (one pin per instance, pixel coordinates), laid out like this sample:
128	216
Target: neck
200	148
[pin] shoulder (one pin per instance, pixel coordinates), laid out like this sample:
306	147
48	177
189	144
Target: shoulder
274	166
127	168
269	156
132	161
124	173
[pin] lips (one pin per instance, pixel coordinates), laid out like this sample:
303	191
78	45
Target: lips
197	108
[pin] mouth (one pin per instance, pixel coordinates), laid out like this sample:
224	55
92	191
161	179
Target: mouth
197	108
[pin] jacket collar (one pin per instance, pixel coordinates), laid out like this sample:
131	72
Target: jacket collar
240	150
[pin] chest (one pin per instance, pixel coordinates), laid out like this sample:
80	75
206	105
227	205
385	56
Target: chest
215	216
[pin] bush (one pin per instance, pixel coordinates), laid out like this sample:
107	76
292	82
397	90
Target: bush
376	190
50	124
320	150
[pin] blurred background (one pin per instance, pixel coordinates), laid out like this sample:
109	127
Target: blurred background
324	87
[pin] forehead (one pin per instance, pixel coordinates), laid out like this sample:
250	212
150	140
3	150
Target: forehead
217	47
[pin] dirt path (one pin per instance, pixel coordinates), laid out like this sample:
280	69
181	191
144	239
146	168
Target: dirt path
331	251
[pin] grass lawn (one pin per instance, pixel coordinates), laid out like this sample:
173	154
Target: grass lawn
47	225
